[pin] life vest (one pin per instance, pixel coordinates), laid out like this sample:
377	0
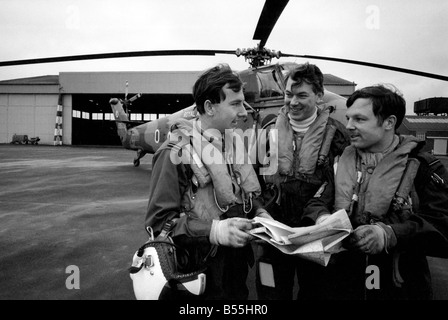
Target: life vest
219	180
375	202
310	148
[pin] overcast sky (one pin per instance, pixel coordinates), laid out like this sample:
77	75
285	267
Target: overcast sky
410	34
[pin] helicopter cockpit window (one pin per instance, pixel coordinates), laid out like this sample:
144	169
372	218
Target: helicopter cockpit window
287	67
269	84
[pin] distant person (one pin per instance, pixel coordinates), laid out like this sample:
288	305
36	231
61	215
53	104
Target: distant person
397	200
207	202
308	142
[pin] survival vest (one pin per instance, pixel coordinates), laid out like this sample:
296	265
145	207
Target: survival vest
391	195
313	148
213	187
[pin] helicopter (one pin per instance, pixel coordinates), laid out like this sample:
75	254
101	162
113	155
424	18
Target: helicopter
264	96
263	90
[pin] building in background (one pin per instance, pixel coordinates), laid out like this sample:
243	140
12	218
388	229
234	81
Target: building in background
430	123
28	106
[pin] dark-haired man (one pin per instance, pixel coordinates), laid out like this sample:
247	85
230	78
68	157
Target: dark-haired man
203	195
308	142
397	199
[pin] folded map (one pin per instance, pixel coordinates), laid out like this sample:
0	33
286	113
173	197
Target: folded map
315	243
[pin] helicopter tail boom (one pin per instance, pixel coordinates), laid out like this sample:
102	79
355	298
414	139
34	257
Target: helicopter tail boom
121	118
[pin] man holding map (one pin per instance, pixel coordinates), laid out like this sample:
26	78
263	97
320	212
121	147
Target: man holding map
396	197
309	140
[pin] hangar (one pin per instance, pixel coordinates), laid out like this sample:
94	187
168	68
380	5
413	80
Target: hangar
430	124
29	106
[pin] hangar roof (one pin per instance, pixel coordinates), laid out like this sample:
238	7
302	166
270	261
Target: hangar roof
160	82
49	79
332	80
40	85
148	82
426	123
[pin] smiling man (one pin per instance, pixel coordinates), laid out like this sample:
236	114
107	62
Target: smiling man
372	129
309	141
199	197
397	199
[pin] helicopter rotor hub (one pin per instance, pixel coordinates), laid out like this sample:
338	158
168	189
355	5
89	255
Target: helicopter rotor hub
258	56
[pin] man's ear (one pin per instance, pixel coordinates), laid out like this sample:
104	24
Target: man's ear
390	122
208	108
320	97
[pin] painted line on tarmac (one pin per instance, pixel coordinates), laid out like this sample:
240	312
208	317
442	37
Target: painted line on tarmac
81	162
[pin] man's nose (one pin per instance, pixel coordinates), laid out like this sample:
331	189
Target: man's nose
294	101
349	125
242	112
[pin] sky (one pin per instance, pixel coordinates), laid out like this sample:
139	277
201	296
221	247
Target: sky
410	34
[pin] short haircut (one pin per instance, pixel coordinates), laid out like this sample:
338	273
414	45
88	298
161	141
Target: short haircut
309	73
210	83
386	101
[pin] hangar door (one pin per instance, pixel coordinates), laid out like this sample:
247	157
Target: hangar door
92	121
30	114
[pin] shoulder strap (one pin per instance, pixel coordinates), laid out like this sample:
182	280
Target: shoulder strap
436	170
400	199
330	130
167	228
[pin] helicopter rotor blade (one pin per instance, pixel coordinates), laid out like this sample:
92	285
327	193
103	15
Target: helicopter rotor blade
269	15
129	54
373	65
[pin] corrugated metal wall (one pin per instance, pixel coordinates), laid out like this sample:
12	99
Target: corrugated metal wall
30	114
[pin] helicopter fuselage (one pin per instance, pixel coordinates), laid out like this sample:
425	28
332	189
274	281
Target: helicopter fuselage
264	88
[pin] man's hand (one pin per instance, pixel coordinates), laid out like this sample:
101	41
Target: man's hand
262	213
322	218
369	239
231	232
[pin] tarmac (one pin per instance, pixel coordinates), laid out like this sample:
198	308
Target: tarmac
67	210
